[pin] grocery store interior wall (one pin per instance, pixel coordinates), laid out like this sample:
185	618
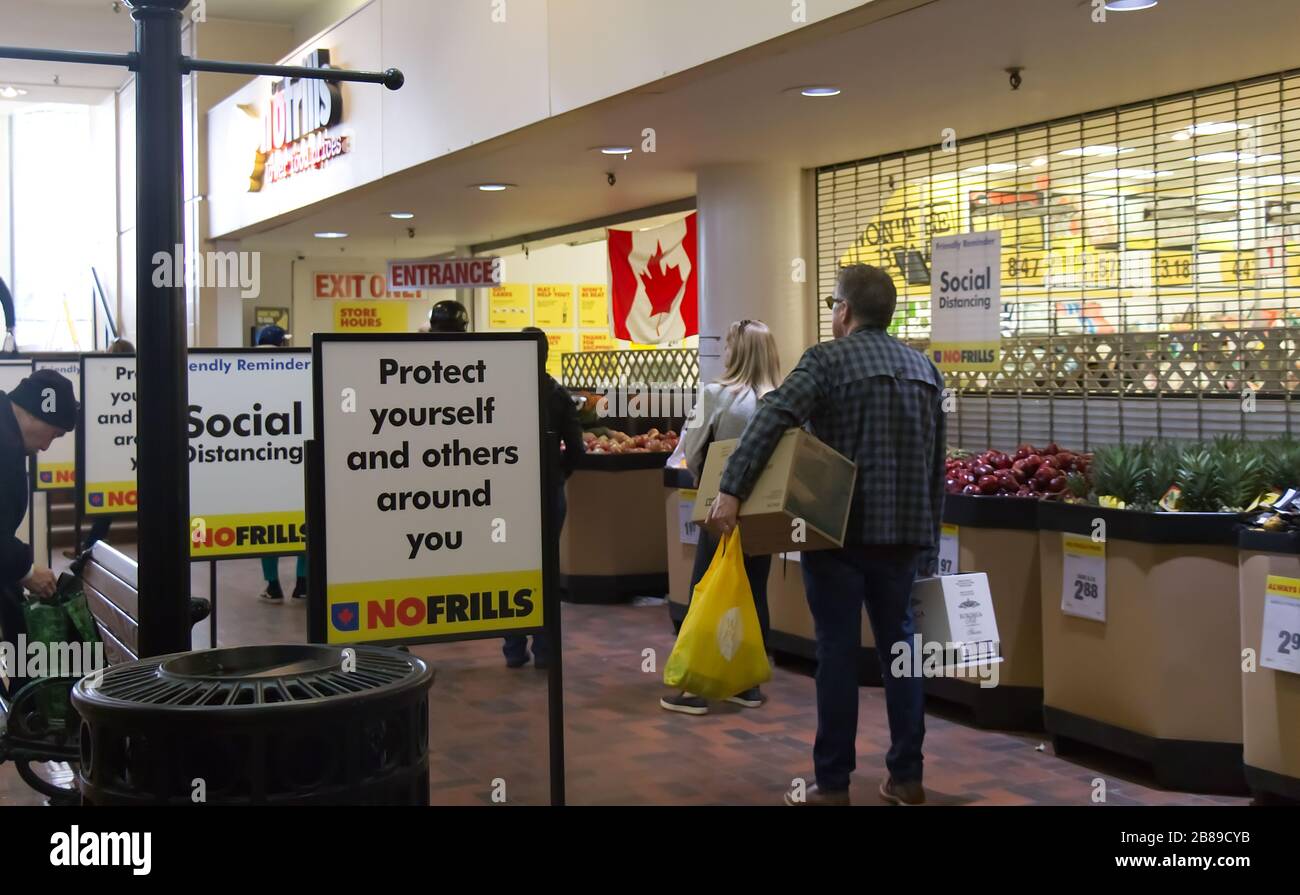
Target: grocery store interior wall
539	62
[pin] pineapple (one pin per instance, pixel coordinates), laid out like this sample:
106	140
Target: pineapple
1243	477
1200	478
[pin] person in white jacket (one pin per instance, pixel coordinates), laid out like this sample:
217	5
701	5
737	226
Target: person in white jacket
751	369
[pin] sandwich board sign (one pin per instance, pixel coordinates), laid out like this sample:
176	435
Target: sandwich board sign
432	486
430	483
106	436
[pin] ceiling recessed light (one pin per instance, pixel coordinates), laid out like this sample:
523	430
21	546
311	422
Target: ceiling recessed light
1131	173
9	92
615	150
331	234
1129	5
493	187
820	91
401	215
1204	129
1040	162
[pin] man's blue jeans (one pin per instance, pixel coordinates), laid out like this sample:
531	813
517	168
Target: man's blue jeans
838	584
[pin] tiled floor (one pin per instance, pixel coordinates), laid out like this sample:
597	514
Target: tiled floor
488	726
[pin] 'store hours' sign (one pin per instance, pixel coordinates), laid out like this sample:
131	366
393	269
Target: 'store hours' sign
429	486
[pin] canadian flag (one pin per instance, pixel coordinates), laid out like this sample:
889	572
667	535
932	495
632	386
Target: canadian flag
653	275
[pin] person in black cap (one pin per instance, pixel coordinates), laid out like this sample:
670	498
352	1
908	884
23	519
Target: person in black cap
448	317
41	408
273	336
562	418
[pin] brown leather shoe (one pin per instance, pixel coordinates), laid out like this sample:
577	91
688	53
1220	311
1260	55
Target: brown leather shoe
909	793
815	796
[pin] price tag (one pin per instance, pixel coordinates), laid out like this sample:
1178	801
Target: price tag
1280	646
688	531
1083	585
949	541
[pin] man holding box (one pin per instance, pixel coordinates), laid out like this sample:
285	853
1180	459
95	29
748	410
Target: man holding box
879	403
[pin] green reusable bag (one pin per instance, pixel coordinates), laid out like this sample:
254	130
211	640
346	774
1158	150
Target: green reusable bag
49	626
78	612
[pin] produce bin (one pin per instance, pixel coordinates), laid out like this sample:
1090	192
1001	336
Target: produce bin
1270	698
792	624
999	536
792	627
613	545
1158	680
679	490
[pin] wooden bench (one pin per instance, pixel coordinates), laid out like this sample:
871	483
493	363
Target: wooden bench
110	581
109	578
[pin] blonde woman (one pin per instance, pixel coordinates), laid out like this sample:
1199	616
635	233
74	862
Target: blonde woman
751	369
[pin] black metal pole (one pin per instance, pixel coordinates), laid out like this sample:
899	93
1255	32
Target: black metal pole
212	595
551	620
162	448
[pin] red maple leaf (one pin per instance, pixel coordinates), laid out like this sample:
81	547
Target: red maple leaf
661	284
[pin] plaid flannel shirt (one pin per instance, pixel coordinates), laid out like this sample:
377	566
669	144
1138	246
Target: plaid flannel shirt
880	404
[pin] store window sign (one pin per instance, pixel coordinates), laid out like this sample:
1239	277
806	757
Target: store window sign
352	286
298	113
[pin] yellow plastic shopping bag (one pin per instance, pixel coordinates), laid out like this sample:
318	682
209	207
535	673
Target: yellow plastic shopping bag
719	651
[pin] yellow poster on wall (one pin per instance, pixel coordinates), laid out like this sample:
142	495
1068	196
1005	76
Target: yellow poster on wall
598	342
593	306
510	306
371	317
552	306
560	344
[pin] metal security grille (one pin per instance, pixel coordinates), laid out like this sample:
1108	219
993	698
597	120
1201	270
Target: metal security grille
1151	258
604	369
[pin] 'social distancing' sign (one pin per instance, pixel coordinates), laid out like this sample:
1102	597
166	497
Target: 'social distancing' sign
57	466
106	435
430	485
249	414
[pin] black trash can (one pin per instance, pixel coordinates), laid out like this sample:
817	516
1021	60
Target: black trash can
258	725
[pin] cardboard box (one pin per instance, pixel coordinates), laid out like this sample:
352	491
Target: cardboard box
955	613
803	480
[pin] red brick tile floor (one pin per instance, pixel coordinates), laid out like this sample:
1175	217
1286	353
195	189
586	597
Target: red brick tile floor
488	731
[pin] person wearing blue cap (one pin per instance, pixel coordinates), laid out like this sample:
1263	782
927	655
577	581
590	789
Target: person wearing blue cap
273	336
38	410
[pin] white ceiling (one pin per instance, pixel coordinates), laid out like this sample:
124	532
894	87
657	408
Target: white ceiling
106	27
905	79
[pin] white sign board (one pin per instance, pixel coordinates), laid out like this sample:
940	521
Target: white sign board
1280	646
249	414
106	435
450	273
57	467
955	612
966	301
1083	579
430	485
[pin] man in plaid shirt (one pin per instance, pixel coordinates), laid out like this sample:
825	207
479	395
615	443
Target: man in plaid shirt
879	403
